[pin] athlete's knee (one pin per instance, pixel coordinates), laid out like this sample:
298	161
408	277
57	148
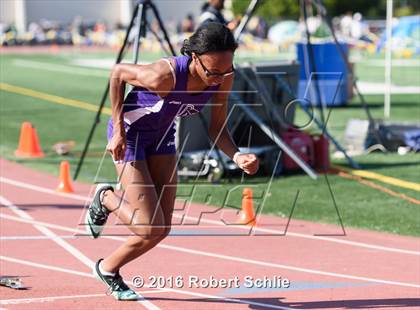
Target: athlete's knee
159	233
136	242
163	234
150	229
147	228
149	232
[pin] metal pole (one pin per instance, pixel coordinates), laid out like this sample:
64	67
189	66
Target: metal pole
245	19
321	9
103	99
139	20
284	85
162	28
276	139
388	58
313	72
270	109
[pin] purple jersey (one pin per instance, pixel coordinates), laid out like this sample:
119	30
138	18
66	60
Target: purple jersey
149	119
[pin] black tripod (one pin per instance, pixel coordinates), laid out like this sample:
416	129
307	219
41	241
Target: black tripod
139	18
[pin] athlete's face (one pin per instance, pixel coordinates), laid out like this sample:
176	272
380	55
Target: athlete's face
218	4
214	67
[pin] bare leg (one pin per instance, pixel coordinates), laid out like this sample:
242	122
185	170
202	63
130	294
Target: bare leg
149	198
162	169
140	211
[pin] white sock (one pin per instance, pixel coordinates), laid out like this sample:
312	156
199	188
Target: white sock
105	273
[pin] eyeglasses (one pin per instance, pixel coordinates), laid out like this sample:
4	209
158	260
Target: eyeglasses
210	74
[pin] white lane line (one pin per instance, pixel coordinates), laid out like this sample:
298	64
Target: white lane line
48	66
54	298
54	226
64	244
42	189
185	292
38	265
6	238
323	238
103	63
256	229
288	267
47	232
233	258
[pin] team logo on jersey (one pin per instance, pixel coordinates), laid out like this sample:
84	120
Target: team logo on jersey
188	109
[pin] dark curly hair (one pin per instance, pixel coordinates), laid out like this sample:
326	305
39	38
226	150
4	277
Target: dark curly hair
209	37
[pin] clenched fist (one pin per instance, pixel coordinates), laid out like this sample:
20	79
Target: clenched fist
247	162
117	146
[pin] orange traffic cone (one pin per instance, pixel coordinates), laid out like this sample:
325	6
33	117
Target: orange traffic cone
28	143
65	179
247	216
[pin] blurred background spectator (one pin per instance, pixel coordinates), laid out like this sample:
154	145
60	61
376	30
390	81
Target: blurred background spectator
211	11
187	25
277	25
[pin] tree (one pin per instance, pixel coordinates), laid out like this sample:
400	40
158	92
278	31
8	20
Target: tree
272	10
269	9
370	8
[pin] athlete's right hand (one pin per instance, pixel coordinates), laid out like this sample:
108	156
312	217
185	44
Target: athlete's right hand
116	146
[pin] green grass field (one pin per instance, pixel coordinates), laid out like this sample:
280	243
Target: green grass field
358	205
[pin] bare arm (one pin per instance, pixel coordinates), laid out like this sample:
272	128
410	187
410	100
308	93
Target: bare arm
156	77
219	132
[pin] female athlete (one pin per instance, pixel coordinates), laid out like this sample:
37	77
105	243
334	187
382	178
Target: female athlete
141	140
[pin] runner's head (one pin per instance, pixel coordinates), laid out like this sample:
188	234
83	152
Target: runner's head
211	48
218	4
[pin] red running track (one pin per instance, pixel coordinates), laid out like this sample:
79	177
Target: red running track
43	243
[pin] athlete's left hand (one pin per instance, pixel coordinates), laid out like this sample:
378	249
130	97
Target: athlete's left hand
248	163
